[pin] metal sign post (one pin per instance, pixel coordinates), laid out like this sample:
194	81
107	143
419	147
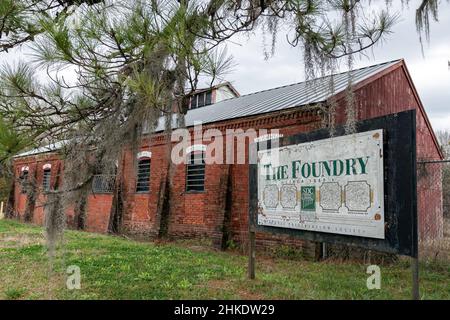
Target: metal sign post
415	278
251	254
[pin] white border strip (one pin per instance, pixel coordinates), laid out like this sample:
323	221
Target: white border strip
144	154
196	147
47	166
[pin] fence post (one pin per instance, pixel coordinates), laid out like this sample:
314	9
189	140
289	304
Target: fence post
2	215
324	251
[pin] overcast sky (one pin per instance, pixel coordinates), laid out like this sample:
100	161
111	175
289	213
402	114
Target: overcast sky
431	74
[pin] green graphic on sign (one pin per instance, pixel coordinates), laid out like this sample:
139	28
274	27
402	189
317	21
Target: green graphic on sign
308	198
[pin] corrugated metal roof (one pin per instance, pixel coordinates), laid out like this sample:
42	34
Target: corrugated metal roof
276	99
48	148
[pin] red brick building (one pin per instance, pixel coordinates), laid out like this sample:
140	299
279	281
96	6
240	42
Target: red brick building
212	200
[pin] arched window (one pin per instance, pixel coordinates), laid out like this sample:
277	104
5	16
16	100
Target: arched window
24	179
46	177
143	172
195	168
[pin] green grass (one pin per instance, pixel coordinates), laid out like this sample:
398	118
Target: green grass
116	268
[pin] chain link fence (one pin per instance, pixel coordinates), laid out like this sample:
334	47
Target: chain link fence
433	182
433	208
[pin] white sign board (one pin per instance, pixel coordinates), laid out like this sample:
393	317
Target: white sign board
332	185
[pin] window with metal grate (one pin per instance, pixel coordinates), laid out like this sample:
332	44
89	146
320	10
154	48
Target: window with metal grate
102	183
143	175
46	179
24	181
195	172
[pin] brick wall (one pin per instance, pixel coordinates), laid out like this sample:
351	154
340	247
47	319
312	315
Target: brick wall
393	92
202	214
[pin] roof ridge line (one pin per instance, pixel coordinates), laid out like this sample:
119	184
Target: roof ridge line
318	78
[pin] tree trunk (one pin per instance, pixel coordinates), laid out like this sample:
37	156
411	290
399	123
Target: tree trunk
164	207
80	210
10	210
116	214
31	198
226	226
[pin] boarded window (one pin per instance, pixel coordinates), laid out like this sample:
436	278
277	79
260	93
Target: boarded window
46	179
102	183
24	181
195	172
143	175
